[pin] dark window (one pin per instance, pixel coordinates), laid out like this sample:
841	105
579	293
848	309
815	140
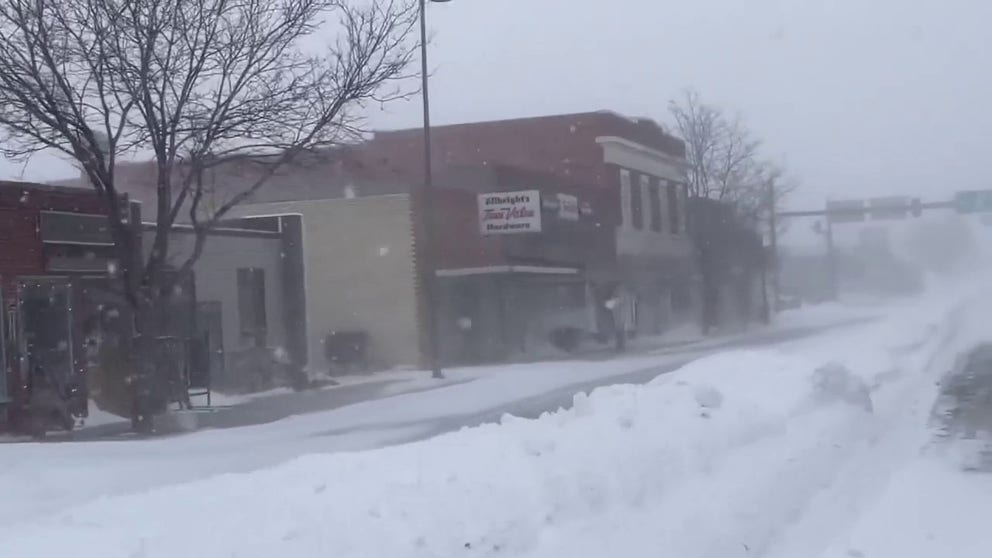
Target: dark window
637	203
75	228
673	208
251	304
625	198
655	204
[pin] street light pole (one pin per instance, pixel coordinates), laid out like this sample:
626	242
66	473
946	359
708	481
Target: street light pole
426	212
773	242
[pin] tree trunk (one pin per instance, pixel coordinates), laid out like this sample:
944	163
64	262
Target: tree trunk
148	393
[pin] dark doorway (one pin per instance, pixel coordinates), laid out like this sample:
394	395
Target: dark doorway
210	330
46	329
5	339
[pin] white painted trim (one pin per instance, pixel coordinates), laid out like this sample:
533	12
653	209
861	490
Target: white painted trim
627	154
249	209
641	148
148	226
464	271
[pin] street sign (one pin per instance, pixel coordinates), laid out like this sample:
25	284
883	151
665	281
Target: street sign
568	207
973	201
892	207
846	211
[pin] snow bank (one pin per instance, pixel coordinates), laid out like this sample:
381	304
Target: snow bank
711	460
498	489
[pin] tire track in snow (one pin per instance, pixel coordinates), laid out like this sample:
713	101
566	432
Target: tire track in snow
898	432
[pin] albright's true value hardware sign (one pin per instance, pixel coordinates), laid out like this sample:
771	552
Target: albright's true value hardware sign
510	212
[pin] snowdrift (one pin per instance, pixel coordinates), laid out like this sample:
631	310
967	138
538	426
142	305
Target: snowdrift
486	491
710	460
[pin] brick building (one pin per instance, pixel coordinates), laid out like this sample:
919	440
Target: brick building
55	253
630	170
502	295
625	176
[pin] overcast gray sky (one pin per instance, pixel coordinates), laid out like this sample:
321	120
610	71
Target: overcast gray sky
856	97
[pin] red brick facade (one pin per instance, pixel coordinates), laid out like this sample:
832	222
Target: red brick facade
561	145
20	212
22	255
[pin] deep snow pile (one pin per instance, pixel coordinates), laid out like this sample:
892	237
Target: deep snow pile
498	489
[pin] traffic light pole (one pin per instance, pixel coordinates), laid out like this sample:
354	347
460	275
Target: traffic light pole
853	214
832	261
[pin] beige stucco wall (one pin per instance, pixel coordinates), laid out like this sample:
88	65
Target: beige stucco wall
359	273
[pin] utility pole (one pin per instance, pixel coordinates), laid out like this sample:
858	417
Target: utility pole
831	260
427	212
773	237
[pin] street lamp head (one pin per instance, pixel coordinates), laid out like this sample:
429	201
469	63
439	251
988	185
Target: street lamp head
440	1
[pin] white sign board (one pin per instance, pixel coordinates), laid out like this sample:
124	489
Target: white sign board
510	212
568	207
893	207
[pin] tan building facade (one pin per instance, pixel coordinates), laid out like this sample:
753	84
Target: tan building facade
359	273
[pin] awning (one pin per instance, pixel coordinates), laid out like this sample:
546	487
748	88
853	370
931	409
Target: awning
494	269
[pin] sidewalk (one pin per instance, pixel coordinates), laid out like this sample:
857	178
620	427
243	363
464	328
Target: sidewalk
255	409
264	408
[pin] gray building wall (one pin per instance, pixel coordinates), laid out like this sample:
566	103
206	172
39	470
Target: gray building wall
216	279
359	273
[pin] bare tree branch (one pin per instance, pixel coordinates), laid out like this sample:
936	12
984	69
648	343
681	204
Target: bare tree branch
725	159
200	86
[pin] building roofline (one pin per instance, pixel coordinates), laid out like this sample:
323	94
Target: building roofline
15	184
593	113
214	231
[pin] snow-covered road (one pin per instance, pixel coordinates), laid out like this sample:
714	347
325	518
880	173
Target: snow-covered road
749	452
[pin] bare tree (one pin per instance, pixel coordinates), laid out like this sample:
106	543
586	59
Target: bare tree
195	85
700	126
724	158
725	164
